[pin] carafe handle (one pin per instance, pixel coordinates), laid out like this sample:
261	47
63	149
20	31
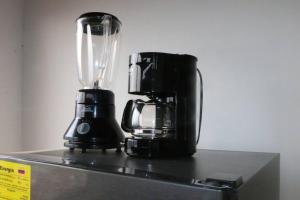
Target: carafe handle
127	115
131	105
200	105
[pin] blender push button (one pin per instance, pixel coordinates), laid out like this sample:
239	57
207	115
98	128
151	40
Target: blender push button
83	128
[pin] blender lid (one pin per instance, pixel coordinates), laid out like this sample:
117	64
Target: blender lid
98	15
93	18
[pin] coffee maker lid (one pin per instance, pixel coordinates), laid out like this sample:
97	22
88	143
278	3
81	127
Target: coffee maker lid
137	57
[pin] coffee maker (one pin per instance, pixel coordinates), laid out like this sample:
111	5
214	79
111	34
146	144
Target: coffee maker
165	125
94	125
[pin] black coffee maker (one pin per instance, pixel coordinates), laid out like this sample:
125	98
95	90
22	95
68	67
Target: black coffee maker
165	125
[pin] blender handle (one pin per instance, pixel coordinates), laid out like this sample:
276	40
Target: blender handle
201	104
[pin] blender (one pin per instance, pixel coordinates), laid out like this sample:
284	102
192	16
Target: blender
94	125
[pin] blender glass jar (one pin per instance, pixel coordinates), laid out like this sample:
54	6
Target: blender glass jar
98	37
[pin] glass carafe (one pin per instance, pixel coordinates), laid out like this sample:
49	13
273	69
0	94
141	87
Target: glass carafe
150	119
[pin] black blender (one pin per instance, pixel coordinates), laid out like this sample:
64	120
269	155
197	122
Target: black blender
165	125
94	125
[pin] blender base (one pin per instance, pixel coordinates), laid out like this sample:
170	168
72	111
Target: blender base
85	146
94	125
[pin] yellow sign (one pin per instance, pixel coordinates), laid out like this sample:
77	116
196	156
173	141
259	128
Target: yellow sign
14	181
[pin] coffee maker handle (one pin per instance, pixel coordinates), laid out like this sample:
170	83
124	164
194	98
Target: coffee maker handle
201	104
127	115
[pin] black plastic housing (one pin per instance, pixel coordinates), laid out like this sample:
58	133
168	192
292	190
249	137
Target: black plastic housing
94	125
165	75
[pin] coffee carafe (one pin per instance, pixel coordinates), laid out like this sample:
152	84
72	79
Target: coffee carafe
150	119
165	124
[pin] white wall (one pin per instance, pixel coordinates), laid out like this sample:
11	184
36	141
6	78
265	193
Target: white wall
248	53
11	20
